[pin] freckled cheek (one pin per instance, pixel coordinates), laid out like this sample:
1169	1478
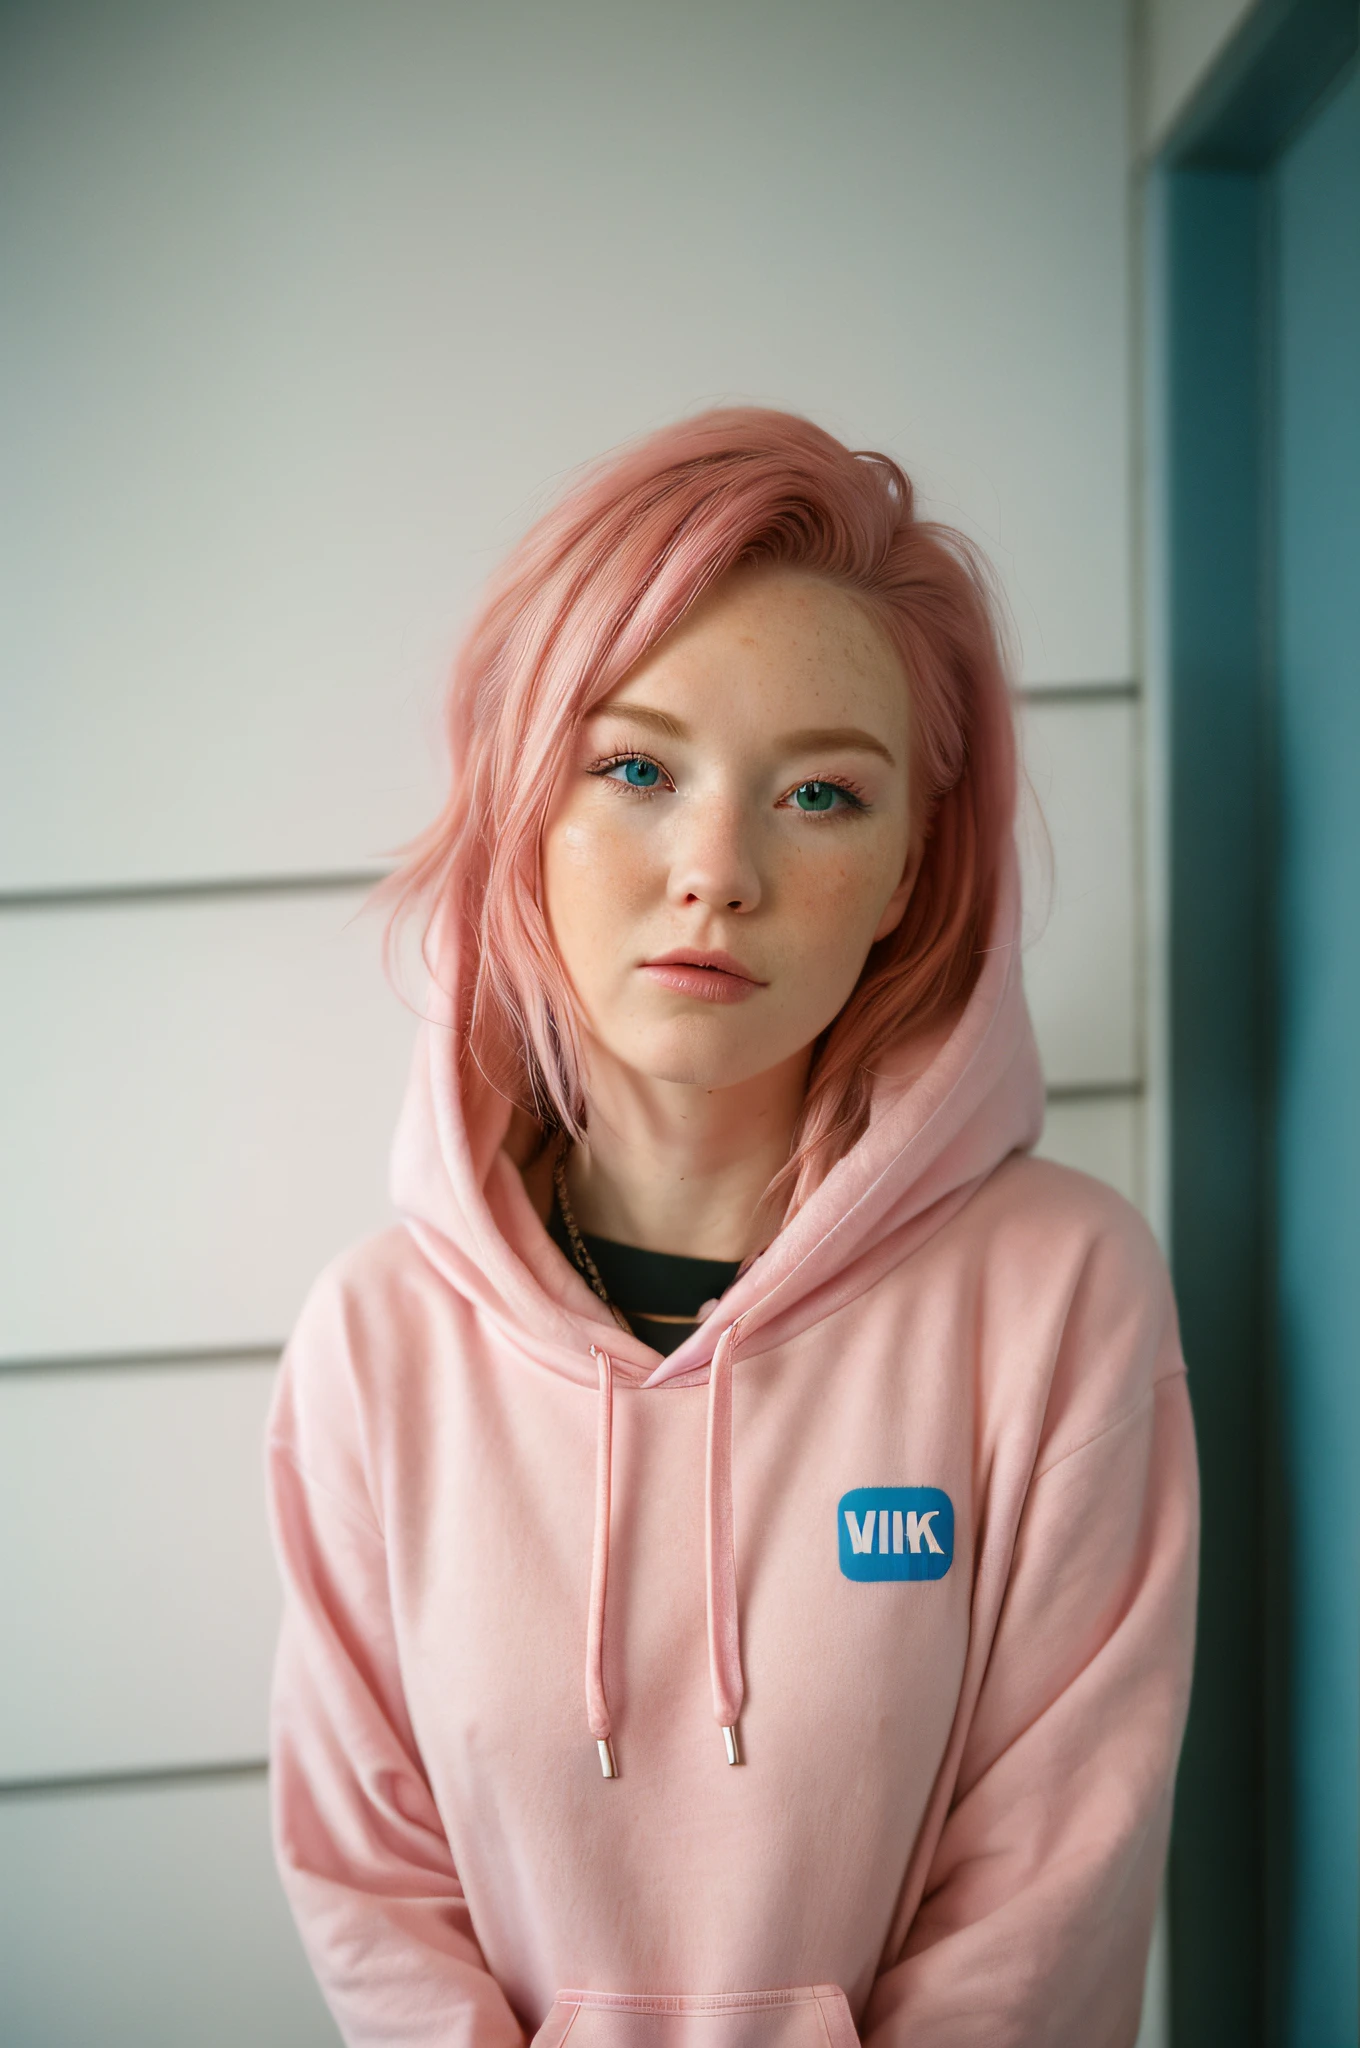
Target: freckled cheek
596	877
838	902
615	861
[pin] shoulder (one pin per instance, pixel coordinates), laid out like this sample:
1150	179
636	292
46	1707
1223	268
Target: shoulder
1065	1225
375	1295
364	1325
1077	1300
1024	1186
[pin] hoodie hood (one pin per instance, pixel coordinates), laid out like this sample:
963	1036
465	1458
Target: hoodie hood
942	1116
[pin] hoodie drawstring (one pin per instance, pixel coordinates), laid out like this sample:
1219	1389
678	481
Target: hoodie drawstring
720	1556
597	1702
724	1628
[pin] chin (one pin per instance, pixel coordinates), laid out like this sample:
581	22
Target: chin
696	1059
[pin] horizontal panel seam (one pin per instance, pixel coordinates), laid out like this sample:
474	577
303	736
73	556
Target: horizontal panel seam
1094	1091
131	1780
192	1356
109	895
1125	691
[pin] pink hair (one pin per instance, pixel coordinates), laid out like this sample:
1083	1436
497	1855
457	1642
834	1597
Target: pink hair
590	589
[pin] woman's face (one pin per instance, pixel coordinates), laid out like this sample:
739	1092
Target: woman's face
740	801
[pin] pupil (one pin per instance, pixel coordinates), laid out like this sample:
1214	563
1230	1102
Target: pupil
815	796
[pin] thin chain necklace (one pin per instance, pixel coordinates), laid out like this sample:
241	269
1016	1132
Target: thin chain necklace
585	1264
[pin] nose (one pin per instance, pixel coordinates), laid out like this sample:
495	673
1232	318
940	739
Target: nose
713	860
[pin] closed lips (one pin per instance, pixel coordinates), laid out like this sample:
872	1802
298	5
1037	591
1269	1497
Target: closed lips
716	963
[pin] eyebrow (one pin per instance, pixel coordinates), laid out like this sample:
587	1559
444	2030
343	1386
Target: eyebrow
844	738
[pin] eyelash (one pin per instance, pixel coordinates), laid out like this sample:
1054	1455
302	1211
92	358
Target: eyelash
851	791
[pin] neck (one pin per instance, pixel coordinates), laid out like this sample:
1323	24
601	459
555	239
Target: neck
674	1167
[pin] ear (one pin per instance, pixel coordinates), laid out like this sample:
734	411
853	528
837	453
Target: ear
895	908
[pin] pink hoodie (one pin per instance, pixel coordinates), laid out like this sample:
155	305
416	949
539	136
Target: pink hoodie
913	1515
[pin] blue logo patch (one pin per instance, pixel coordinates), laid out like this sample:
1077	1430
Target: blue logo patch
896	1532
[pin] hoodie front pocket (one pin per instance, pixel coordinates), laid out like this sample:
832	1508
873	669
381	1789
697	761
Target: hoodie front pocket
808	2016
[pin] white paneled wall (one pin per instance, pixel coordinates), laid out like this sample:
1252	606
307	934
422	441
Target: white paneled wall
1079	840
139	1633
309	307
1100	1134
150	1915
306	302
195	1111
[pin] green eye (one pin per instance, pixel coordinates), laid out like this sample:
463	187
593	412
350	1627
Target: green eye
816	796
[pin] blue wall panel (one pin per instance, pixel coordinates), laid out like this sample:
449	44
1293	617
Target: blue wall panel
1218	979
1317	195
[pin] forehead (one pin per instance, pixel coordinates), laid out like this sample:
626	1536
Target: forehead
774	636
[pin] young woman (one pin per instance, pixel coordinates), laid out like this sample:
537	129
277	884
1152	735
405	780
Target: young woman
739	1530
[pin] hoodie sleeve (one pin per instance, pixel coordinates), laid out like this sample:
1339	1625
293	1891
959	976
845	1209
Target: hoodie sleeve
1037	1908
360	1847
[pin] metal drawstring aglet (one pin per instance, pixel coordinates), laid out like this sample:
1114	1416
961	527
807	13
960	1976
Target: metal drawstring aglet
733	1752
607	1764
